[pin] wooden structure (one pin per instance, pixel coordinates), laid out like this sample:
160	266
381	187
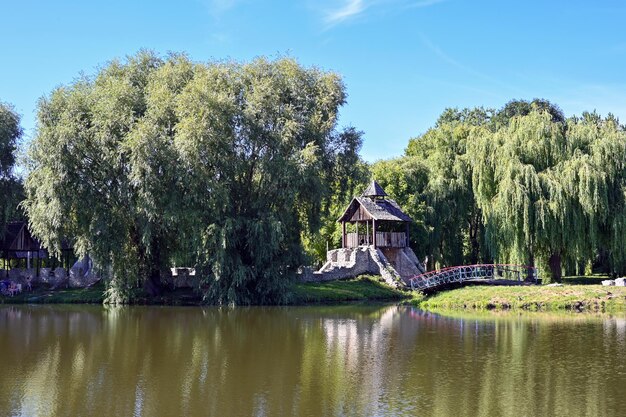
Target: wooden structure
371	212
19	249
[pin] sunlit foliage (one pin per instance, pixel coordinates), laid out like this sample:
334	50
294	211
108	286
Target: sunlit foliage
222	166
10	186
522	184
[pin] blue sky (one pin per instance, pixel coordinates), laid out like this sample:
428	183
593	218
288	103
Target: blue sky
403	61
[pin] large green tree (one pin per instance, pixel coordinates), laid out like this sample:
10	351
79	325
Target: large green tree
221	165
520	184
513	179
449	224
260	146
551	191
347	177
102	172
10	185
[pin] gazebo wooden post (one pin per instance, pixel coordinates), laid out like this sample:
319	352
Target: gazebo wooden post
367	234
358	242
374	233
343	234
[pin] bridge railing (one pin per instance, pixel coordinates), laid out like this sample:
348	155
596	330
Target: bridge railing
462	273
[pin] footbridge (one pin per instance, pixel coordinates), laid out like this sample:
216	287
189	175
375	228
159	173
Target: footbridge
500	273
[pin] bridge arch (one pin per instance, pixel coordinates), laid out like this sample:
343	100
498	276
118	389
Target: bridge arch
506	272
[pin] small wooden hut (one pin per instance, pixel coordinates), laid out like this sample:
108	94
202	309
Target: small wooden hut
18	246
369	213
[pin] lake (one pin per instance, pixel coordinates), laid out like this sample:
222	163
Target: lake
307	361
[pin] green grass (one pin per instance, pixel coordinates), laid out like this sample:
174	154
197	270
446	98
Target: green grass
95	295
361	289
592	298
585	279
364	288
92	295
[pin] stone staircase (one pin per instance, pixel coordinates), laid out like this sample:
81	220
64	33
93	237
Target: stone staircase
394	265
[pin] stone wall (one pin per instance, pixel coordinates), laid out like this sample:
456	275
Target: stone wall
394	265
404	262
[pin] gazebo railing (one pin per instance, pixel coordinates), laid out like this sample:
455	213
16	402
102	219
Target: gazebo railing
383	239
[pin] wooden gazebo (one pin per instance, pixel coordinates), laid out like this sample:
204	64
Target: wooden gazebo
369	212
18	245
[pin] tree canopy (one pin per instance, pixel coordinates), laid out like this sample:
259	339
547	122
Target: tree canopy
221	165
521	184
10	185
239	170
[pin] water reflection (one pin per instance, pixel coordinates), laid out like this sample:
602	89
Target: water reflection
307	361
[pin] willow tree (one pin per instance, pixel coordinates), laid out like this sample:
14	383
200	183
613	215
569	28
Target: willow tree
512	172
259	141
223	165
546	187
346	176
452	219
10	186
103	172
596	175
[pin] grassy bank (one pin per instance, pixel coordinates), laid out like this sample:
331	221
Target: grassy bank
364	288
593	298
335	292
95	295
585	279
42	295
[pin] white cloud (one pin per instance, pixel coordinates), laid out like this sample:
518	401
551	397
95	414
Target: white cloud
423	3
344	10
468	70
349	8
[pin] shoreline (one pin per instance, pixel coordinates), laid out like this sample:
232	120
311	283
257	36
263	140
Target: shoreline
572	298
359	290
576	298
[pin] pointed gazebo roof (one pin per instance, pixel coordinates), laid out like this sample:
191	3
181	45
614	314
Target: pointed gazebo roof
371	208
374	190
373	205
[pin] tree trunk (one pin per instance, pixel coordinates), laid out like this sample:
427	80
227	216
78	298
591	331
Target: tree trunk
555	266
474	228
530	274
152	284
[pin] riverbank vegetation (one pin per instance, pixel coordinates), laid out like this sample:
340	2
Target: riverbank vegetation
240	171
519	185
11	189
45	295
222	166
577	298
361	289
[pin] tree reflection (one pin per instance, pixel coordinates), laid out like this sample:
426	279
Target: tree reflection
314	361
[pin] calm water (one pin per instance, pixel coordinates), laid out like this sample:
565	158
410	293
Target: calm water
309	361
